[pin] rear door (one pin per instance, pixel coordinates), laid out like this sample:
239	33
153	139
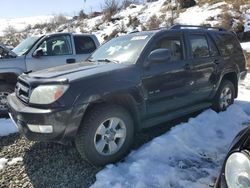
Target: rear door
57	50
84	47
167	85
203	60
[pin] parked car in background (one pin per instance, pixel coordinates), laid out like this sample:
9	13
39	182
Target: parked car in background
131	82
41	52
235	172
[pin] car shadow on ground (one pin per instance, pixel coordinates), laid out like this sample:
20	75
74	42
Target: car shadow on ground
55	165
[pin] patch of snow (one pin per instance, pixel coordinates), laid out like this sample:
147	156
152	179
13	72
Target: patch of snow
7	127
246	46
198	15
3	162
189	155
15	161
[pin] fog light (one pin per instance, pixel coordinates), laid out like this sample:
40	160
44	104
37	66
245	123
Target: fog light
41	128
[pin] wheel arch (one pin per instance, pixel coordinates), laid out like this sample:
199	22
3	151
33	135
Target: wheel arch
232	76
125	100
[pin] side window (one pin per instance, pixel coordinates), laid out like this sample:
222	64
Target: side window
199	46
84	44
172	44
59	45
228	45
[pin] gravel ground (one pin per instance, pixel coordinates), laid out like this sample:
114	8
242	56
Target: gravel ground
55	165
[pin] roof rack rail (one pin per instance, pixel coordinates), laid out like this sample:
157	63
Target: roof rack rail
178	26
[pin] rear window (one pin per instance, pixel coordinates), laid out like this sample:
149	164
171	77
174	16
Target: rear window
227	44
84	44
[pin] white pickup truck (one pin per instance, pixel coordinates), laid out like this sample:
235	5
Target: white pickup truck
41	52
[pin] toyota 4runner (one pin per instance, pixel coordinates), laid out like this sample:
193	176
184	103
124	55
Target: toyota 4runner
131	82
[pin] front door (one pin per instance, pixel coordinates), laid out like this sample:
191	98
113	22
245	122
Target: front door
167	85
57	50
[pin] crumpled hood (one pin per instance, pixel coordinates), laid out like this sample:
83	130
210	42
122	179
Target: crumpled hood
77	70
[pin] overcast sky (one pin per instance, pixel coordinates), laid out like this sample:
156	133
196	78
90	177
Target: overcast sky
24	8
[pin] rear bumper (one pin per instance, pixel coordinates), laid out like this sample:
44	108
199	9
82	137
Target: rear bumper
64	121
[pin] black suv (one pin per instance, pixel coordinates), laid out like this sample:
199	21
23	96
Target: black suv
131	82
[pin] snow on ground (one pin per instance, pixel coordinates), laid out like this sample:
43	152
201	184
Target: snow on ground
246	46
7	127
189	155
4	162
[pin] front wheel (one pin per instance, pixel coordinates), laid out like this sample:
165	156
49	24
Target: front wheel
106	135
224	97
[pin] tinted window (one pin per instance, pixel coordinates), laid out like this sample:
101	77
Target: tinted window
199	46
59	45
84	44
213	49
228	44
172	44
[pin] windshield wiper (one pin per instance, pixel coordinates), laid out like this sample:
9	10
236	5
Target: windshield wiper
89	60
107	60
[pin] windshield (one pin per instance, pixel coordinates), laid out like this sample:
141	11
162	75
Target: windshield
125	49
25	46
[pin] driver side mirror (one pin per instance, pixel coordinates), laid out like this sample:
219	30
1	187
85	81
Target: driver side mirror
38	53
159	56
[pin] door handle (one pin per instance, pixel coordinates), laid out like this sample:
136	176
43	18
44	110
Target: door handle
69	61
188	67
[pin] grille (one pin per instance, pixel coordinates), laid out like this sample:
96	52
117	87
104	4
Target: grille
22	91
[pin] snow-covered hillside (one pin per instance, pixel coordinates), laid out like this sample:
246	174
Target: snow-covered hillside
161	13
21	23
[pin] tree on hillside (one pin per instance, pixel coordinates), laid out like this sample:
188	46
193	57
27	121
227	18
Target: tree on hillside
110	8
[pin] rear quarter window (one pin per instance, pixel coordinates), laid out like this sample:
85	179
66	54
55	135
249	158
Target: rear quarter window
227	44
84	44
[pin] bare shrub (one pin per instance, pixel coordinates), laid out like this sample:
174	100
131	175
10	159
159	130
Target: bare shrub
133	22
110	8
59	19
226	21
153	22
10	30
127	3
82	15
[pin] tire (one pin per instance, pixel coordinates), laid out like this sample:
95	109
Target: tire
224	96
5	90
95	138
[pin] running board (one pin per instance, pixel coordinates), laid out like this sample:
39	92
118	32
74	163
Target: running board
173	115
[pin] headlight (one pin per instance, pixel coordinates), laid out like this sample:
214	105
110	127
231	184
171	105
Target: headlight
237	171
47	94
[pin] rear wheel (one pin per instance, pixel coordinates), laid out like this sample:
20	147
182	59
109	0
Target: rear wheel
225	96
5	90
106	135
